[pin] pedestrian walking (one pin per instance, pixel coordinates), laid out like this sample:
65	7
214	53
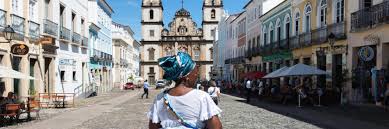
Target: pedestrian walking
248	89
183	107
145	89
214	92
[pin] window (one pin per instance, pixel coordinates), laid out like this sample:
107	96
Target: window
62	16
32	8
287	27
15	5
74	76
151	53
307	19
151	33
297	24
47	2
151	13
258	41
213	14
211	51
213	33
197	54
323	13
365	3
82	27
151	70
62	76
278	26
339	11
74	22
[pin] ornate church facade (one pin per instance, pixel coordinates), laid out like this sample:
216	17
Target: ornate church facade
181	34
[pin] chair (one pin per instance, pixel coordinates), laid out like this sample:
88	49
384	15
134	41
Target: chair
11	112
34	107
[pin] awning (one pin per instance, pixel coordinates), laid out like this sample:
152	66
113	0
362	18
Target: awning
275	73
253	75
301	70
7	72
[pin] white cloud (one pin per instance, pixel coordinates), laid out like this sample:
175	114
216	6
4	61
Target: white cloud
269	4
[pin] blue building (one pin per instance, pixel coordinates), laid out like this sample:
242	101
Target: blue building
100	44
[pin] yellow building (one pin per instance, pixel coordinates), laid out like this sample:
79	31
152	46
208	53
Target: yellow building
368	49
319	37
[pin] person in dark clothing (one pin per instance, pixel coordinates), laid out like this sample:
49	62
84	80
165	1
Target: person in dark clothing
145	89
248	88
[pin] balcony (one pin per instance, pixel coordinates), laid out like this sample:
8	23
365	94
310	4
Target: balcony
370	17
294	42
64	34
2	19
284	44
34	31
76	38
320	35
50	28
305	39
18	26
339	30
84	41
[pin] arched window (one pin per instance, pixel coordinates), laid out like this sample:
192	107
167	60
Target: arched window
307	18
213	13
151	12
278	29
264	36
339	10
271	33
287	26
322	16
151	53
196	52
296	23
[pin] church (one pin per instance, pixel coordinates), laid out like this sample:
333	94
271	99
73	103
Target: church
181	34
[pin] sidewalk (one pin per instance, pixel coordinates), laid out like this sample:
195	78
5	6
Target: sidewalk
80	104
332	117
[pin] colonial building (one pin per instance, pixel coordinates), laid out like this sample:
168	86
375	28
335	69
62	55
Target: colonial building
181	34
368	47
100	44
123	54
73	46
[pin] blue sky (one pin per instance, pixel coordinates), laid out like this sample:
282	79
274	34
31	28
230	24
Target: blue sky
128	12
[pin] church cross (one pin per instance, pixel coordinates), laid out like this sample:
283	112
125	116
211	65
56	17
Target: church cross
182	3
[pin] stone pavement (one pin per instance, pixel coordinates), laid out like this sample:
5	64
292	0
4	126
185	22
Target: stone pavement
127	111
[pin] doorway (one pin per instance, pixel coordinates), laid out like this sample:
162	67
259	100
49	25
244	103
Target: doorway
16	66
321	64
47	75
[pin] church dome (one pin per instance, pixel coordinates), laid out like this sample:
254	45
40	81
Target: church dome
182	12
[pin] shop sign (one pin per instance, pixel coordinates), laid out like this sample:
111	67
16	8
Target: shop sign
69	62
46	40
366	53
278	57
19	49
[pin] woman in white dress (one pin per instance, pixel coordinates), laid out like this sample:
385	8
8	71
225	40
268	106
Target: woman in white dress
183	107
214	92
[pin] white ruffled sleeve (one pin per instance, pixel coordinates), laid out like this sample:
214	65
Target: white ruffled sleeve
153	112
208	108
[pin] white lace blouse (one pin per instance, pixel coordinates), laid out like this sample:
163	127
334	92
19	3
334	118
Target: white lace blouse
195	107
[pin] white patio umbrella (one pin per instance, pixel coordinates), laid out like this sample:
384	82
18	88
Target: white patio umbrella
301	70
6	72
275	73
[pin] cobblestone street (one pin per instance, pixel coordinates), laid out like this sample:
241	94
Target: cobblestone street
127	111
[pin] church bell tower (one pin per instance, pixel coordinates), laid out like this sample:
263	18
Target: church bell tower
152	20
212	12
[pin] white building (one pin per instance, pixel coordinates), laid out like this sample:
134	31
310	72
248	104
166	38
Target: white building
73	45
124	68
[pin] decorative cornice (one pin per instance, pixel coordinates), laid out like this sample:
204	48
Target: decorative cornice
152	23
210	22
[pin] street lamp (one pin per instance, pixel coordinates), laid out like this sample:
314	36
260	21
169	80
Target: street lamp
8	34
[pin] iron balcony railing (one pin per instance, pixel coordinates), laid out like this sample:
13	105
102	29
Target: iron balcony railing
84	41
64	33
294	42
2	19
34	30
370	17
76	38
18	26
320	35
50	27
306	39
284	44
338	29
